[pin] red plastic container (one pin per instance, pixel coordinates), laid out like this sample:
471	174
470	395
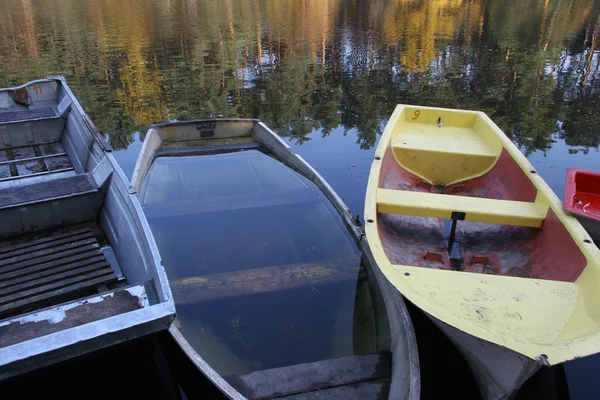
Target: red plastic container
582	198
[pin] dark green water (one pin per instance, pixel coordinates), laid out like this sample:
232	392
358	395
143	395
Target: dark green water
326	74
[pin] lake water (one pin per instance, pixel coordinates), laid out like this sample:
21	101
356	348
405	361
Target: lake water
326	74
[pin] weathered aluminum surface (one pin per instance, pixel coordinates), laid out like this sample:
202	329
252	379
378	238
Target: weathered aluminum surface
121	218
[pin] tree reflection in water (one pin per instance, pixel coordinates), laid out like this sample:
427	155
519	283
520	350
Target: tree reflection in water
316	64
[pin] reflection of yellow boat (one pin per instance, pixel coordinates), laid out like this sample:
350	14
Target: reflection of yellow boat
461	224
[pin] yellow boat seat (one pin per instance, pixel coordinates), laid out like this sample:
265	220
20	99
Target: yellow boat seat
476	209
443	155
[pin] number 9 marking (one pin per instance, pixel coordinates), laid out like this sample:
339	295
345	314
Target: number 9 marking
416	114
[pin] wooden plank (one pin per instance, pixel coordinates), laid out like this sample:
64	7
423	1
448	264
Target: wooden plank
71	262
247	201
476	209
209	149
35	246
76	313
21	115
261	280
20	277
376	389
319	375
46	296
58	276
44	249
38	257
55	236
44	191
53	286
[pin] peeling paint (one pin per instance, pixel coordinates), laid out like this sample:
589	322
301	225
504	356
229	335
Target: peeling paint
54	315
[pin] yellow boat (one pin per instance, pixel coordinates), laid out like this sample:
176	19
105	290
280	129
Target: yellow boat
462	225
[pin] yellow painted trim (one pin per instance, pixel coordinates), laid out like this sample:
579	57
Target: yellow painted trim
476	209
530	316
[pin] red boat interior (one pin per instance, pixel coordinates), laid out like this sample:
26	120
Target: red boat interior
548	252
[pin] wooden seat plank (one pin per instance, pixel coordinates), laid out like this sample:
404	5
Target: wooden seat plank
51	257
208	149
28	114
58	278
375	389
268	279
476	209
58	263
20	277
24	294
46	296
19	244
247	201
36	272
38	247
319	375
44	191
39	251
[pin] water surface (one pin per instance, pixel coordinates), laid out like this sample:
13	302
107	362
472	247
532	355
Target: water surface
283	273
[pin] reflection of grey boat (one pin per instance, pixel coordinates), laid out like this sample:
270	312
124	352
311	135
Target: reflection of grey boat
79	269
263	259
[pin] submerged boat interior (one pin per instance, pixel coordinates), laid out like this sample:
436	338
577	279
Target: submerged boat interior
266	277
452	197
75	258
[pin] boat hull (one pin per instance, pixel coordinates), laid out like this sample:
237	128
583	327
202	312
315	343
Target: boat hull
499	372
71	309
405	378
462	225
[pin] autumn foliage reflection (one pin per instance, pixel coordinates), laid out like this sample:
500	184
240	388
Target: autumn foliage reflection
304	65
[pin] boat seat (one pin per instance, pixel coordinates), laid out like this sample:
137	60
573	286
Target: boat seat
352	377
45	128
43	191
232	203
44	205
476	209
443	155
71	314
27	114
38	272
195	289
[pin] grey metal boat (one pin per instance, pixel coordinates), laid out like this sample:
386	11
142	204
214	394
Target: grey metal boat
79	268
251	237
